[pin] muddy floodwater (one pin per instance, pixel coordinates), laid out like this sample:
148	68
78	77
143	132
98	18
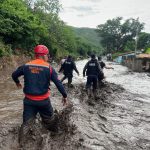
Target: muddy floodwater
119	119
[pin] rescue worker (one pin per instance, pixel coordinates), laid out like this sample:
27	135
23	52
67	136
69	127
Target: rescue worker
37	75
109	57
67	67
102	65
92	69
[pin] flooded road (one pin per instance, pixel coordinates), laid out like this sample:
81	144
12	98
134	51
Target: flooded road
118	120
136	83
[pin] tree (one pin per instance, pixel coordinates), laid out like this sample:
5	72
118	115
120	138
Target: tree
143	40
18	26
115	33
26	23
46	6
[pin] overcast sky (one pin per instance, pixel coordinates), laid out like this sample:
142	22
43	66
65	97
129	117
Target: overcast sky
90	13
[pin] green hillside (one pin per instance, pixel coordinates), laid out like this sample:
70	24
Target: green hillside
89	35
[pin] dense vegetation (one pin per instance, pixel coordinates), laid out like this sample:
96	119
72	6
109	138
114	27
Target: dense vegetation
147	51
87	35
121	36
26	23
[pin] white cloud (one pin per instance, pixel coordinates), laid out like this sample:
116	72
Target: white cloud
90	13
82	8
93	1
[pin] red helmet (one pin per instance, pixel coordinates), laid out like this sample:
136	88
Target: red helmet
41	50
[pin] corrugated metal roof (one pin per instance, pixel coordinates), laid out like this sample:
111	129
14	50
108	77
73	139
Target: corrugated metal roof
143	56
127	53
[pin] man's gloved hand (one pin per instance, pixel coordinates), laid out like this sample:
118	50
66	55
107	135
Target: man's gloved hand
64	101
19	85
78	74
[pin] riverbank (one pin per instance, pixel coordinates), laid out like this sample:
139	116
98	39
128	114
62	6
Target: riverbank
10	63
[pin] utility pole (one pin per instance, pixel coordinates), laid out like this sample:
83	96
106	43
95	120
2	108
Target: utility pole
137	36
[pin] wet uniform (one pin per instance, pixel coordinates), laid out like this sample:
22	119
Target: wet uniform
101	76
37	75
102	64
67	67
92	69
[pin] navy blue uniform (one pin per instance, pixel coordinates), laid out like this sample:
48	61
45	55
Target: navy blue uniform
101	75
92	69
102	64
37	75
67	67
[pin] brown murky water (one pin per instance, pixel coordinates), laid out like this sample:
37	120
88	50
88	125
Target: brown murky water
118	120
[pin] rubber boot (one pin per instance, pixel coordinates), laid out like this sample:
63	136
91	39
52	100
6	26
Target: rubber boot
95	94
70	85
51	123
89	92
24	130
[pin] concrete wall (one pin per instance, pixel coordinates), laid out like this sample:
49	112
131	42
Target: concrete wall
136	64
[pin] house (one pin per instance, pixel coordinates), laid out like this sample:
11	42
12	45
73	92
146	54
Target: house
138	62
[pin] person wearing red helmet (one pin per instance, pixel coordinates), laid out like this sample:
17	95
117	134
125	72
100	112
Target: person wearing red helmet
41	50
37	75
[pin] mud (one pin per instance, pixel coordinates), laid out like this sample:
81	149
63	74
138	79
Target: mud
117	120
8	64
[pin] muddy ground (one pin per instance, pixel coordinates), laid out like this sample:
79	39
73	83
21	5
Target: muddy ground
117	120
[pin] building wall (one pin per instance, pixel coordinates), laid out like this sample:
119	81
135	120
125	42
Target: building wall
136	64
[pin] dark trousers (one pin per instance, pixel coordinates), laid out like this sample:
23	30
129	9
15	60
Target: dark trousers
32	107
69	79
101	76
91	81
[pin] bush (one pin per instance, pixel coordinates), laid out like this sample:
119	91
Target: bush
5	50
147	51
